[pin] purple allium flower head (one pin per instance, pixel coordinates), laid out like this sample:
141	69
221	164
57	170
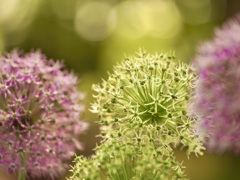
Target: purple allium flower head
215	102
39	114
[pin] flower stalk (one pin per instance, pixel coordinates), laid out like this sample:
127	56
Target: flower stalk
21	171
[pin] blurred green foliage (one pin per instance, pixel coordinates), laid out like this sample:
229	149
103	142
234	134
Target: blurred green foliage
92	35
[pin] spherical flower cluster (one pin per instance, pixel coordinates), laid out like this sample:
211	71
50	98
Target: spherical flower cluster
39	115
215	102
142	111
147	95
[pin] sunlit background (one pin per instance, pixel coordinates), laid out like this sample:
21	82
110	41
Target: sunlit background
91	36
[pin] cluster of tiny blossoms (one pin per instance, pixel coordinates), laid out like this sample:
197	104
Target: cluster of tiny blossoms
39	114
142	108
122	159
215	102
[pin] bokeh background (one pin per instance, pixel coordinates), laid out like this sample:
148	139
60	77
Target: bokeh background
92	35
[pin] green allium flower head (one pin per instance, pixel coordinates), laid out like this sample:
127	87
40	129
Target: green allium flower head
147	95
142	114
127	161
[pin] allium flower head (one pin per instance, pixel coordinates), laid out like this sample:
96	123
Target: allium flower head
125	161
215	102
142	111
147	95
39	114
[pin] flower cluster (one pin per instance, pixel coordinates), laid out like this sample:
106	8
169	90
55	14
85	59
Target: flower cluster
147	95
142	107
215	102
123	160
39	114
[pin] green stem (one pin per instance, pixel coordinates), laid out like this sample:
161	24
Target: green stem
21	174
22	171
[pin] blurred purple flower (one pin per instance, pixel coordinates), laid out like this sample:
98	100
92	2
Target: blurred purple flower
215	102
39	113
